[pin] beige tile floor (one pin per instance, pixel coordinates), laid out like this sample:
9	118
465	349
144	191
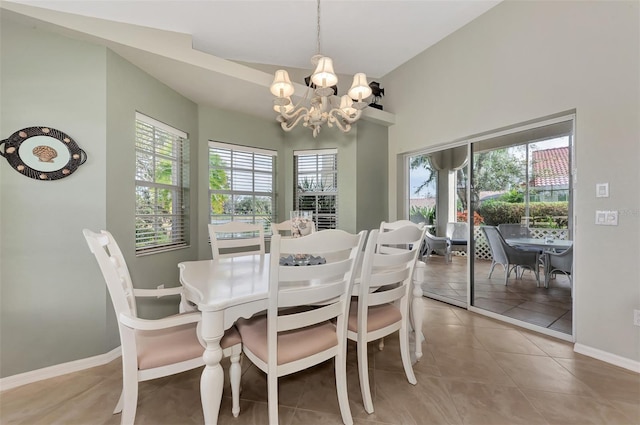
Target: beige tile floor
520	299
475	370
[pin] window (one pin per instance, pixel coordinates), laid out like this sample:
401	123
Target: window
316	177
423	190
241	182
161	186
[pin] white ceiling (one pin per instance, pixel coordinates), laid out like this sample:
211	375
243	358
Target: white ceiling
373	37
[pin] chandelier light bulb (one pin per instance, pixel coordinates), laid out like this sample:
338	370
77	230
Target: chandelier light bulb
360	88
282	86
346	104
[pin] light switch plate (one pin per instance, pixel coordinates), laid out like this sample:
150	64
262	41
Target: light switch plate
602	190
607	218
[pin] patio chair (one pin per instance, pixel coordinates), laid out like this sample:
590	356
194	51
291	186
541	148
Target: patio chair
514	231
294	336
153	348
457	233
511	258
435	244
559	262
517	231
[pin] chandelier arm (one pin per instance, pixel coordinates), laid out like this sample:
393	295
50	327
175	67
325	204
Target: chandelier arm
344	117
293	115
343	125
288	124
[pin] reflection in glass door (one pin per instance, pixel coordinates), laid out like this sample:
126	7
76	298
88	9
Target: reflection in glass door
436	197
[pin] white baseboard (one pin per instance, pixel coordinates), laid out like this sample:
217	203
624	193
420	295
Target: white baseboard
605	356
58	370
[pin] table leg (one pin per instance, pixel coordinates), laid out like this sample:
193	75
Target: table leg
212	380
417	311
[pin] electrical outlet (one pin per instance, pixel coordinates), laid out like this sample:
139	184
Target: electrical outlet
636	317
612	218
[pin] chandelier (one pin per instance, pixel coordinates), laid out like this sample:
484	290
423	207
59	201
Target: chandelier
320	104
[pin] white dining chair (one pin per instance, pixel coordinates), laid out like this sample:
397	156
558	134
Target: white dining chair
430	242
284	228
153	348
293	336
236	238
375	314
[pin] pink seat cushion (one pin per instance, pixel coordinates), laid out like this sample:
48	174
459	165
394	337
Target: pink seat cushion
379	316
292	345
174	345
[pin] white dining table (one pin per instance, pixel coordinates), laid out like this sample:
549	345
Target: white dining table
227	289
541	243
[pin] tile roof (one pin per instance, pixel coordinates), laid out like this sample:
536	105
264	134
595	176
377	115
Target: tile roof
550	167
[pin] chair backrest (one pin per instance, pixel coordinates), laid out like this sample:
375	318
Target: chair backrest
382	266
386	226
114	270
326	285
562	261
514	231
284	228
390	226
235	239
496	244
458	230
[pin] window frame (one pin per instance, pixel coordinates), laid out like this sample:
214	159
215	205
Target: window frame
256	153
178	236
323	220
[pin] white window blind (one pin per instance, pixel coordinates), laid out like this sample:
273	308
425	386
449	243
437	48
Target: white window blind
161	186
241	184
316	176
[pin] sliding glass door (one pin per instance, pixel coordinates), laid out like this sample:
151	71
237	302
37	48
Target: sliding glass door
522	200
437	198
519	182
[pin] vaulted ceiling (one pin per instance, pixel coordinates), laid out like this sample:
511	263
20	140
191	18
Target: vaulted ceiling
222	53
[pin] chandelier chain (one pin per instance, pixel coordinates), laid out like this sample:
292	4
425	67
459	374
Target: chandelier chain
318	26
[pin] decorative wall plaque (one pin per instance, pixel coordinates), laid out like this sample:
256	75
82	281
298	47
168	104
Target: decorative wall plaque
43	153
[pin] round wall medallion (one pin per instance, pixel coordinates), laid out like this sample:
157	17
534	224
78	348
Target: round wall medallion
43	153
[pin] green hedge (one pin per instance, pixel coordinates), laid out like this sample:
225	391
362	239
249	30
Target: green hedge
542	214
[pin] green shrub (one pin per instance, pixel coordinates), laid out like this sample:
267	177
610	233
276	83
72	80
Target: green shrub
541	214
514	196
428	213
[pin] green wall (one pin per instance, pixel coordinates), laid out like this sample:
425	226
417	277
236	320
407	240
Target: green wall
53	300
372	176
129	90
